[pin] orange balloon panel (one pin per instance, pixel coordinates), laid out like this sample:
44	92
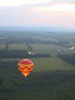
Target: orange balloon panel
25	66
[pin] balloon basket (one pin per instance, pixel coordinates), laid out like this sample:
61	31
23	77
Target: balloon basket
25	78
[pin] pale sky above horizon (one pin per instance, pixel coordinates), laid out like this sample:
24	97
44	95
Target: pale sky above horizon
59	13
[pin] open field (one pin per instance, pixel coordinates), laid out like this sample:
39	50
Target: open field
50	79
53	77
51	64
47	48
46	64
40	48
17	47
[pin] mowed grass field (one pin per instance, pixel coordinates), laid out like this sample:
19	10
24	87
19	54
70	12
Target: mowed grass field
43	64
46	64
47	48
39	48
51	64
51	79
14	46
17	47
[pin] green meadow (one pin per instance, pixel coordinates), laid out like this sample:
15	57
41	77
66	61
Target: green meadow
52	78
47	48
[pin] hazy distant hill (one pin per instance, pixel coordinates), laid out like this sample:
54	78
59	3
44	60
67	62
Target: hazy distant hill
18	28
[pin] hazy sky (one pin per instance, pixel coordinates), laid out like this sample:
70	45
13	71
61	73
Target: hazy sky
57	13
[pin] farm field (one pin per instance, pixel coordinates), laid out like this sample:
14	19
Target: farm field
53	77
46	64
51	64
54	80
39	48
47	48
17	47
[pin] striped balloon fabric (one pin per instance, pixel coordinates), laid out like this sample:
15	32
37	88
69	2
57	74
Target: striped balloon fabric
25	66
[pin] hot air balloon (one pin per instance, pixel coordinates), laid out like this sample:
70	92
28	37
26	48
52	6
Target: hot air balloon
25	66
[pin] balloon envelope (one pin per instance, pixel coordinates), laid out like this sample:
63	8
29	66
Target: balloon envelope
25	66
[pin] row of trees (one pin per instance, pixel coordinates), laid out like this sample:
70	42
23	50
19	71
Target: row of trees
70	58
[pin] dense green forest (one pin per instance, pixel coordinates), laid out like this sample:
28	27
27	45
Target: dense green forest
53	54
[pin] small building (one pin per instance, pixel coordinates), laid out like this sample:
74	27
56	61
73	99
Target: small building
30	53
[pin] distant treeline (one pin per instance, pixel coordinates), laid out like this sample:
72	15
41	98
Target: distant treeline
70	58
33	38
20	54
